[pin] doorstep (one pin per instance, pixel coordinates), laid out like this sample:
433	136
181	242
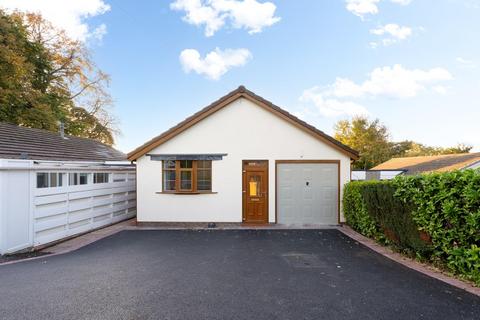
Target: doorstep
222	226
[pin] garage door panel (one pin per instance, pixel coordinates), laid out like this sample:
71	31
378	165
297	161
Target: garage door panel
307	193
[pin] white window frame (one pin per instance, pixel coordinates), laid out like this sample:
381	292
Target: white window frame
60	179
102	173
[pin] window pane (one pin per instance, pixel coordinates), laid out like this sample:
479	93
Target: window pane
186	164
60	179
169	175
169	185
73	179
42	180
185	180
254	186
83	178
203	174
169	164
204	177
204	185
53	179
204	164
169	180
100	177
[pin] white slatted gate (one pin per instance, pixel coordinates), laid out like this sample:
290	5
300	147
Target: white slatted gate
70	210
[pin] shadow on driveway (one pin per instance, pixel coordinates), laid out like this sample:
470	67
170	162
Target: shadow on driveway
233	274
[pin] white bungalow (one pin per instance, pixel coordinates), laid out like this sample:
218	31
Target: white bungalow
242	160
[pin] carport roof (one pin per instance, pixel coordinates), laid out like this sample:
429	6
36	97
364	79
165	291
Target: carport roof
240	92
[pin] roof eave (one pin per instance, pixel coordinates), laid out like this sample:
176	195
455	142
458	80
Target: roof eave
222	102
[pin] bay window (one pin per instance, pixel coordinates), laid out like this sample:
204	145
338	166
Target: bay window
187	176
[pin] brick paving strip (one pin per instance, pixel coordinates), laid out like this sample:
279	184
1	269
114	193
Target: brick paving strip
408	262
85	239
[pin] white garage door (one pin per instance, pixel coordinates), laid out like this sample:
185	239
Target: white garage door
307	193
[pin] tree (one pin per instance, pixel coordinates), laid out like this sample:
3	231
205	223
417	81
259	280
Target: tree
369	138
47	77
414	149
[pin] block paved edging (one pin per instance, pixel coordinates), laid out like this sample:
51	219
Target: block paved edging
408	262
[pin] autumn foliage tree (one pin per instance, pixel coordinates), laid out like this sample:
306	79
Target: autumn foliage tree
372	140
369	138
46	78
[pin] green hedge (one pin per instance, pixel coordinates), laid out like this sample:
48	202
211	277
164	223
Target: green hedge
356	211
447	208
434	216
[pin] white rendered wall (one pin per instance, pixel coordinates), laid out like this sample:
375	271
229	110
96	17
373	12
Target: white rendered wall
244	131
15	195
389	175
359	175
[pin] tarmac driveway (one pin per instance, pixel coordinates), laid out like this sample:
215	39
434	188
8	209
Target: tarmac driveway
235	274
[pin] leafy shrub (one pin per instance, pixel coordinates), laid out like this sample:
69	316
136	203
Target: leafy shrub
447	207
356	212
393	217
371	209
436	216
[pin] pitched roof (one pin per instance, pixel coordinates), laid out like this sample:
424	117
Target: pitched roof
36	144
240	92
440	163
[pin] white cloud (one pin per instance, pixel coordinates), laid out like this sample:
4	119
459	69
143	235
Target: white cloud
402	2
465	62
362	8
216	63
472	4
69	15
391	82
99	32
392	33
247	14
394	30
440	90
331	107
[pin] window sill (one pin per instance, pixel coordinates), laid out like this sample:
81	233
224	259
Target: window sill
185	193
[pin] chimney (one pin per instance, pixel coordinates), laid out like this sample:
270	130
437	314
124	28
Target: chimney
62	130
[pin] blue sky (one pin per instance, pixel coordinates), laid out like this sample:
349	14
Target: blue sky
414	64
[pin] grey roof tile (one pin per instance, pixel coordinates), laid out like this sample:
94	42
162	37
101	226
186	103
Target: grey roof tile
19	143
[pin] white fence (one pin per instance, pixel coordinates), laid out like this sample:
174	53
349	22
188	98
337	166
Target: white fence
77	209
32	216
360	175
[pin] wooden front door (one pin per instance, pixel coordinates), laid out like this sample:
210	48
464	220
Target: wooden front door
255	191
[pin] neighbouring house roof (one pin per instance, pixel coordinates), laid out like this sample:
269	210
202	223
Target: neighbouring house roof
441	163
35	144
240	92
